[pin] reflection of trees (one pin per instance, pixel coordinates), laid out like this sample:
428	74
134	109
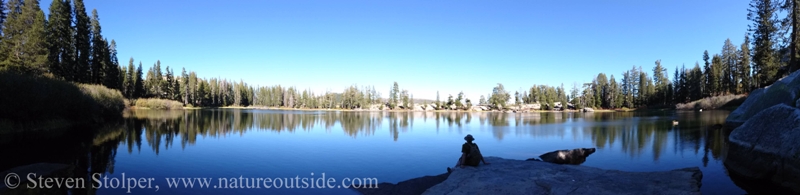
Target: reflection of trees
634	132
398	121
639	131
165	126
76	148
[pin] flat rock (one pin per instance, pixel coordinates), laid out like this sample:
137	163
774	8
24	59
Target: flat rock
505	176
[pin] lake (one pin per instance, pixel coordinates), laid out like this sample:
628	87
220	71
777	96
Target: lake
359	146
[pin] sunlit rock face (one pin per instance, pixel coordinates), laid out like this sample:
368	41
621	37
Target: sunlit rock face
783	91
506	176
572	157
764	152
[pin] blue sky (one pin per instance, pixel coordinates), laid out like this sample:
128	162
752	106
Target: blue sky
425	46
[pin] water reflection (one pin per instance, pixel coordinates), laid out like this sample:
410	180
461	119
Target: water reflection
633	134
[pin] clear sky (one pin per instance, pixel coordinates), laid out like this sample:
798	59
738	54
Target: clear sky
425	46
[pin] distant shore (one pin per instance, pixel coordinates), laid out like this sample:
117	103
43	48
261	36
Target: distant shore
404	110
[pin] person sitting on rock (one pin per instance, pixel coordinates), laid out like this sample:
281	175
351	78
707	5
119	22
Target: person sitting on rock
470	154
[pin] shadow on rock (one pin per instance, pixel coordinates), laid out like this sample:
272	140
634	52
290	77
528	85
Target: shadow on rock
571	157
763	155
412	186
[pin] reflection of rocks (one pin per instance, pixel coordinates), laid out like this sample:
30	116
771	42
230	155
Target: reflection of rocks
783	91
506	176
573	157
767	148
411	186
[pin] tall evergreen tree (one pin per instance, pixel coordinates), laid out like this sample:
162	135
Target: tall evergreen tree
395	95
716	74
185	81
11	29
643	80
793	7
707	78
661	82
170	82
83	45
744	66
728	68
24	46
112	69
763	14
99	52
59	35
613	93
130	81
138	85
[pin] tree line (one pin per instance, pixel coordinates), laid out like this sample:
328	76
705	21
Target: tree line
31	44
773	35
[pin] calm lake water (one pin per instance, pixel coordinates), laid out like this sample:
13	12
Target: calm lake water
388	146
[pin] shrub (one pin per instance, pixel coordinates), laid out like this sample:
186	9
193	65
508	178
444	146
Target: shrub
162	104
26	99
108	101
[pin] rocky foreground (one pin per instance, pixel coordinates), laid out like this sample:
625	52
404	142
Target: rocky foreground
764	147
506	176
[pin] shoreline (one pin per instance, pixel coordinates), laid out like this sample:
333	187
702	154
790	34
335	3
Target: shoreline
401	110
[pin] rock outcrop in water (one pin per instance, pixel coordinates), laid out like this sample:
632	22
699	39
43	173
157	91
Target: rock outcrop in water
784	91
572	157
765	151
505	176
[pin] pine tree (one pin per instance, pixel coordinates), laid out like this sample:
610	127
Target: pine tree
613	91
170	82
112	69
716	74
643	95
99	51
59	35
83	45
744	66
24	46
794	45
728	68
459	99
130	81
138	86
185	81
661	81
394	94
708	77
764	31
